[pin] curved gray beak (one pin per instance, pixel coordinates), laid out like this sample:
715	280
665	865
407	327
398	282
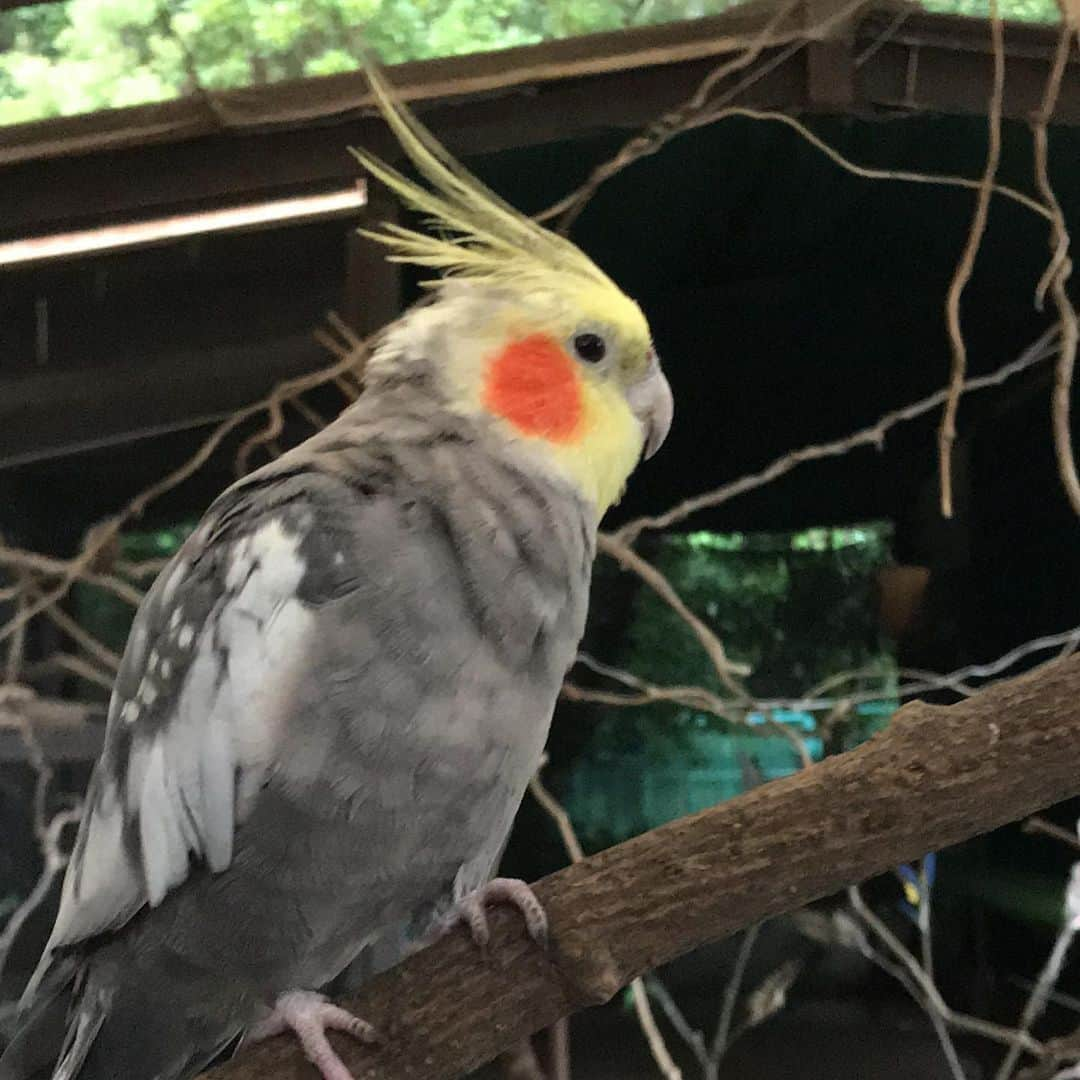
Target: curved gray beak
651	401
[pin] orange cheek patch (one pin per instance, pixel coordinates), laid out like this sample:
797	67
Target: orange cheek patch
534	385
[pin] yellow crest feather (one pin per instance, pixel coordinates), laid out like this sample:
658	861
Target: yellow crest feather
476	234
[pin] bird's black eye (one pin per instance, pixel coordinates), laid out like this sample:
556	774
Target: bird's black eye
590	347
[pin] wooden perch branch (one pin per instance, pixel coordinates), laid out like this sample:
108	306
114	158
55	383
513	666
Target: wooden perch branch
937	776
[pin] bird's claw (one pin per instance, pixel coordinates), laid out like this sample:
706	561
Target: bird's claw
472	911
310	1016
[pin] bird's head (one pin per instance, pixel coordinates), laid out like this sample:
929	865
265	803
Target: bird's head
524	328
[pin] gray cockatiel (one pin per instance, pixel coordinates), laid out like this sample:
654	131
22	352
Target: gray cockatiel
333	697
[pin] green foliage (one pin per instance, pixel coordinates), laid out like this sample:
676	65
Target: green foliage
1016	10
795	608
80	55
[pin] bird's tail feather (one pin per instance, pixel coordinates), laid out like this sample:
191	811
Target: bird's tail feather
41	1038
83	1029
101	1027
140	1030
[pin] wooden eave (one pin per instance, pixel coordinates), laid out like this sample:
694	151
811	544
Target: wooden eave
294	136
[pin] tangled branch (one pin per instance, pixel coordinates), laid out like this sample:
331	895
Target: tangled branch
1056	276
966	266
874	435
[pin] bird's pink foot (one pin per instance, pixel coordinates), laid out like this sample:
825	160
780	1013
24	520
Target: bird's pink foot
472	910
310	1016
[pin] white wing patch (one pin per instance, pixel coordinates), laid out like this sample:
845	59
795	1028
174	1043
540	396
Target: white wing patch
110	887
192	776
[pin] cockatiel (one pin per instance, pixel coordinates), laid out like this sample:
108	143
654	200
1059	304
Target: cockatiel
333	697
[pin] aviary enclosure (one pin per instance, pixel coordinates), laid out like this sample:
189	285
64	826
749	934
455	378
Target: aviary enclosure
849	225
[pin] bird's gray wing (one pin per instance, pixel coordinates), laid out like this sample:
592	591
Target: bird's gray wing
194	719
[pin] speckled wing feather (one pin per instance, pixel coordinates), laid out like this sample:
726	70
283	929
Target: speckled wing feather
192	723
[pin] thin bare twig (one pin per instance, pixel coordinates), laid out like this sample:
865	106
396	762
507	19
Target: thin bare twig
693	1039
936	1008
865	172
657	1047
308	413
1056	277
646	693
350	358
874	435
925	910
100	652
48	565
55	862
1039	825
521	1063
693	114
884	37
628	559
926	682
965	267
144	568
76	665
690	697
927	994
558	814
661	131
726	669
731	995
559	1049
1036	1002
700	699
16	646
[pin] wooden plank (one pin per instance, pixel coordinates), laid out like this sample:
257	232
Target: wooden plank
959	33
46	195
333	98
914	75
298	102
174	156
51	412
830	63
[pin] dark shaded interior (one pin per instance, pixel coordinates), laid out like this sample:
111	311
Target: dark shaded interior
792	303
